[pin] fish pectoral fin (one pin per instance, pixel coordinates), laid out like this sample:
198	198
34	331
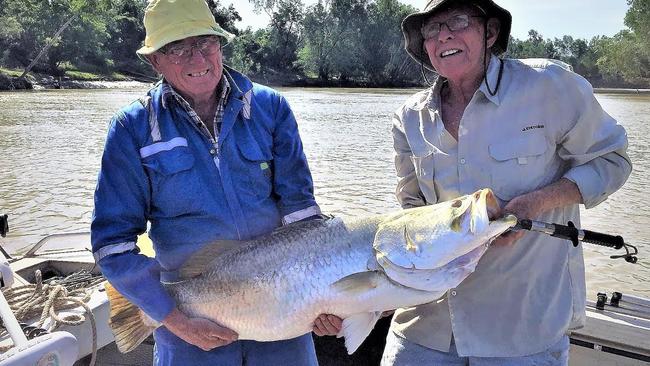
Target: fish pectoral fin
358	282
197	262
356	328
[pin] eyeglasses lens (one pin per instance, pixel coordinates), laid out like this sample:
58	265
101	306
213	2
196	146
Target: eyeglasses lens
206	46
455	23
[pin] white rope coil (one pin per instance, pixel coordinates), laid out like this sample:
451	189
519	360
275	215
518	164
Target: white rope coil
47	301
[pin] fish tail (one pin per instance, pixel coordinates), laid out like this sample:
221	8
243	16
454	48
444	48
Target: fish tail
130	325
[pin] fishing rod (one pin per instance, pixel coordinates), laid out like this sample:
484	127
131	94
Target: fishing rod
571	232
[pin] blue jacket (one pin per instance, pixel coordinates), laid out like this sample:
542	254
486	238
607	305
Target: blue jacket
158	168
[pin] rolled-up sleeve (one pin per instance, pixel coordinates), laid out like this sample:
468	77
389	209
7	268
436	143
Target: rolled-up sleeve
408	190
122	198
292	180
595	146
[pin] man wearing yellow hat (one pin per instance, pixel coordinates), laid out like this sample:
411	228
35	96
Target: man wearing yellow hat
205	155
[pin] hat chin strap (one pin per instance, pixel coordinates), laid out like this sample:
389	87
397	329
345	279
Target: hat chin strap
424	74
485	65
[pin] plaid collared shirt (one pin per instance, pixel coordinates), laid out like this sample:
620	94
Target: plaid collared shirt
223	92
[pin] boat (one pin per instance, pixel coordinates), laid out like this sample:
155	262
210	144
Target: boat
82	336
617	330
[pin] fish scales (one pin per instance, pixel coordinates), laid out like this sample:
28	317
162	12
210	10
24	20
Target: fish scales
261	289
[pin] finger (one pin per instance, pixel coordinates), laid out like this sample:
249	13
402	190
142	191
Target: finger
318	327
212	343
224	333
336	322
221	337
330	329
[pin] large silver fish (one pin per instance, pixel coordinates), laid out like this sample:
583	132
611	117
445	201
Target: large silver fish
274	287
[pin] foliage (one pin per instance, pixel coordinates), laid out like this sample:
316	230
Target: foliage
357	40
329	28
336	41
126	32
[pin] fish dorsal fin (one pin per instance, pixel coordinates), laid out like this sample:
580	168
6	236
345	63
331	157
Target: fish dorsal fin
307	225
197	262
356	328
357	283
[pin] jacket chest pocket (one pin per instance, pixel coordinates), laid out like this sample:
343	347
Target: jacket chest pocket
423	163
256	168
518	165
174	185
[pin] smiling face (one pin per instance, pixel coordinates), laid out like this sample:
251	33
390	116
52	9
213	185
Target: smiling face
195	78
458	54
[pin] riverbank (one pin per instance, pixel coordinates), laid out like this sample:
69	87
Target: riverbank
621	91
9	80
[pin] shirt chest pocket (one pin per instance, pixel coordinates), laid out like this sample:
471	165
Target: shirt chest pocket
174	184
256	168
518	165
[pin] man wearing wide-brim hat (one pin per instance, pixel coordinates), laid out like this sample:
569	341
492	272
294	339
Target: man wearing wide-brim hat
533	132
205	155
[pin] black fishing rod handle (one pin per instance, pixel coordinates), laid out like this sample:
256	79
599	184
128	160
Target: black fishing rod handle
605	240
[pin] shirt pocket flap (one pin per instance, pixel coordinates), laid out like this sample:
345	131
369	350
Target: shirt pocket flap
251	150
170	162
518	148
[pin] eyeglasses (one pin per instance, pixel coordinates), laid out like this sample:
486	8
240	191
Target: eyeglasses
455	23
177	53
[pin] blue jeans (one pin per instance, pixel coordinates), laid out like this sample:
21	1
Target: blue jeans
402	352
297	351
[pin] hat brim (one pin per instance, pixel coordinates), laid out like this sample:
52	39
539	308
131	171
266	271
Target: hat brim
180	34
414	42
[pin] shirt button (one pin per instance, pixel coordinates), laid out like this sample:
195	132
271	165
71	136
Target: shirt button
213	151
453	292
462	161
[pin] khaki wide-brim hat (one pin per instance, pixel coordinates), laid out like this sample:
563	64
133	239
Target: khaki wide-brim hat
411	25
167	21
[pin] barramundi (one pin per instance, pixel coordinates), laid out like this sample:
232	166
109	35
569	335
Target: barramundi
275	286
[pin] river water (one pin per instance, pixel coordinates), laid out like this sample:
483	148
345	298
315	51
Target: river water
51	143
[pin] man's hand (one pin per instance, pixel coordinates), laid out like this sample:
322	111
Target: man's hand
531	205
327	324
523	207
200	332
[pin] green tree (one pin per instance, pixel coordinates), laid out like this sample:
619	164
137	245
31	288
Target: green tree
52	32
626	56
580	54
623	60
381	45
281	40
126	35
331	30
535	46
637	19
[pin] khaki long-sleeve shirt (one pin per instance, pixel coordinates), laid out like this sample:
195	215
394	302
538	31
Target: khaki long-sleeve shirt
543	124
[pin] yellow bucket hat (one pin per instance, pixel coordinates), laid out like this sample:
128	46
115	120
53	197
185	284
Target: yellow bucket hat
167	21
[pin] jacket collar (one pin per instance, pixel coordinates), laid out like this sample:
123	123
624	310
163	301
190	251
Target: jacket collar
492	76
241	88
